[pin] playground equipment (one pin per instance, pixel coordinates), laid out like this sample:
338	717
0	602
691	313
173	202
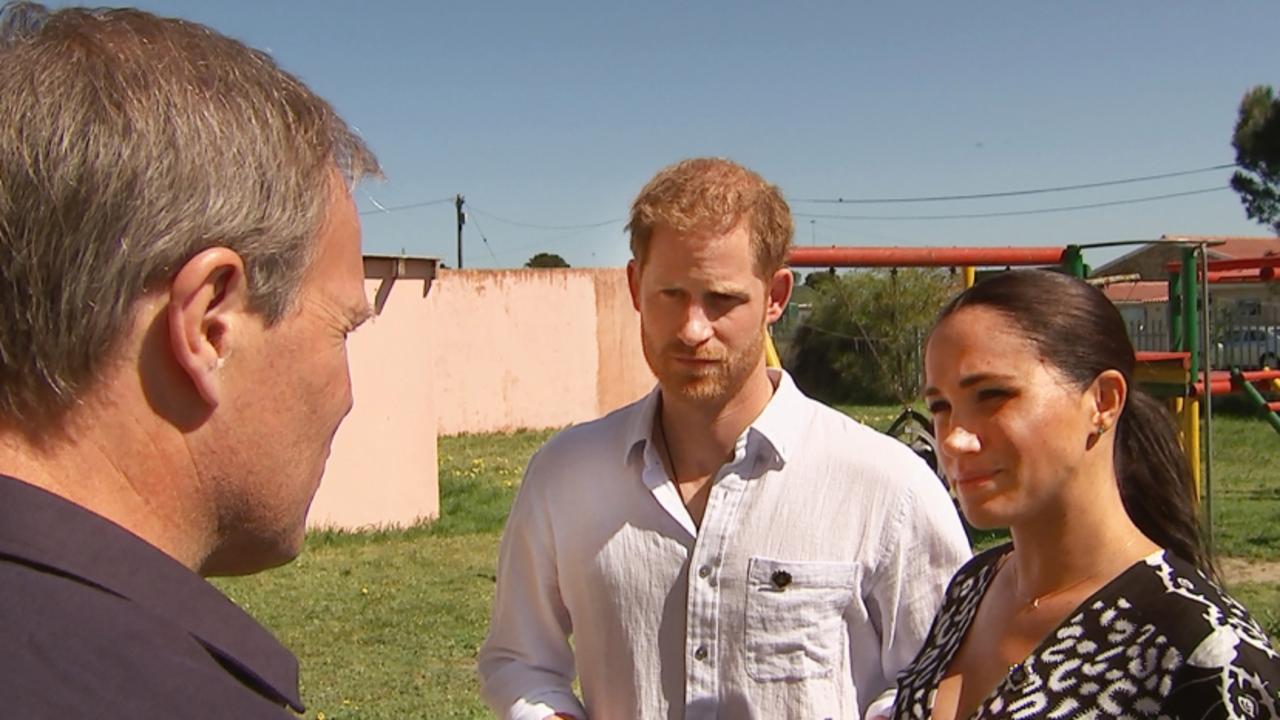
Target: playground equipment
914	430
1183	376
1186	377
911	427
962	257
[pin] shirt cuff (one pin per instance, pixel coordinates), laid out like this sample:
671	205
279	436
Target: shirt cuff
546	706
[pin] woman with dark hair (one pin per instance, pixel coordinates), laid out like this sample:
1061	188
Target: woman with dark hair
1106	604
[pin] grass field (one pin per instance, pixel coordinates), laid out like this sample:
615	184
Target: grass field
386	624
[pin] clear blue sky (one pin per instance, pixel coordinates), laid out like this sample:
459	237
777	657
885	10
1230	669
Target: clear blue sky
555	113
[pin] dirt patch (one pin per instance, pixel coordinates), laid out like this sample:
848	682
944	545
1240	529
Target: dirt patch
1241	570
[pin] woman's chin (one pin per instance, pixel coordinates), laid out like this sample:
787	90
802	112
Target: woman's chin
981	516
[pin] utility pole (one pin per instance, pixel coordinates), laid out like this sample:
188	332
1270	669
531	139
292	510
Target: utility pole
462	220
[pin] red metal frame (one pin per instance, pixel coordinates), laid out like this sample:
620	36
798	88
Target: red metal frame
1261	264
1220	382
924	257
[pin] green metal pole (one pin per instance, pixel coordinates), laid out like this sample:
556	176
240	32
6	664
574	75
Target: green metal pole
1206	402
1252	393
1190	310
1175	314
1073	261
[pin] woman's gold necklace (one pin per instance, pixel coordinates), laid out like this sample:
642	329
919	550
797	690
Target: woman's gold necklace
1034	602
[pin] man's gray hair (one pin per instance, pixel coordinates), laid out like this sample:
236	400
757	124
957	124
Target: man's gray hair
128	144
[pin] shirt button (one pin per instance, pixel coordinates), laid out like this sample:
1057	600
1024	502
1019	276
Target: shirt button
704	571
1017	675
781	579
700	653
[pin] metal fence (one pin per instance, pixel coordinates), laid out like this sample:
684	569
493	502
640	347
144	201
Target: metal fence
1149	335
1242	335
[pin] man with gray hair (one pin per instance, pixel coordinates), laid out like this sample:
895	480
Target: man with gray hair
179	268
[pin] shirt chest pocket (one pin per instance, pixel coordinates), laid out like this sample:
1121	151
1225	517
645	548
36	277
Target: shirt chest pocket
795	617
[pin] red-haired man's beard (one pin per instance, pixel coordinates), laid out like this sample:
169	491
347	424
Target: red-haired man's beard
709	373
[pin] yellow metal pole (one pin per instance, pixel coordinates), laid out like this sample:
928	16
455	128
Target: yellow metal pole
1175	408
969	276
771	358
1191	440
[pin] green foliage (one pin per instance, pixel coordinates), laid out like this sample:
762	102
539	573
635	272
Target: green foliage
546	260
1257	144
819	279
862	341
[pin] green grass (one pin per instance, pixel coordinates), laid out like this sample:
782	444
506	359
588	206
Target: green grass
877	416
385	628
1263	601
386	624
1245	480
482	473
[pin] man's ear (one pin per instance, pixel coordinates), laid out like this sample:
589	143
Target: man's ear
633	283
208	298
780	287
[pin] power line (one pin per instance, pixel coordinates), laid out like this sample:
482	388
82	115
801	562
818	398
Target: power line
1010	193
381	209
484	239
545	243
517	223
1038	211
862	234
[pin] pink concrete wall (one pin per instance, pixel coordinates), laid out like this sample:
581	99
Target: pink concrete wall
383	467
623	375
533	348
470	352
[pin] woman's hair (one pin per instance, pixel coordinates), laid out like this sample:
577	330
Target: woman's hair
1074	327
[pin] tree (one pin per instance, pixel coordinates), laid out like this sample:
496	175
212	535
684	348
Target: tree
546	260
1257	144
819	278
862	341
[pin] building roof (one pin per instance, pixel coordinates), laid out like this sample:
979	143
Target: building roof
1137	291
1234	247
1227	248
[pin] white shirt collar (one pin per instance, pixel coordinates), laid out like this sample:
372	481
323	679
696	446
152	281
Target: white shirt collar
779	424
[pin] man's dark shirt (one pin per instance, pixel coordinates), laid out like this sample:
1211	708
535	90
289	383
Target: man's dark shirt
97	623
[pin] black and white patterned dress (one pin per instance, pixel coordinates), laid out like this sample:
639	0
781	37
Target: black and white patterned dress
1159	641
